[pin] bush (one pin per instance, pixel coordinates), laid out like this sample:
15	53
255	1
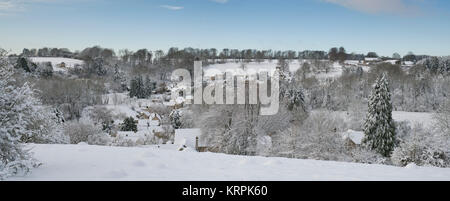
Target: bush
80	132
319	138
129	124
120	141
46	127
362	155
420	148
99	139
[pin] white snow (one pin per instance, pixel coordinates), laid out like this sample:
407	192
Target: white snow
187	137
164	163
69	63
250	68
408	63
392	61
371	59
235	68
424	118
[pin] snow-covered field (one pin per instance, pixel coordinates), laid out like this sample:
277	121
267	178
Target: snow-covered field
85	162
423	118
270	67
56	61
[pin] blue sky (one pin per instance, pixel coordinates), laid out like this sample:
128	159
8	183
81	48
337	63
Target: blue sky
384	26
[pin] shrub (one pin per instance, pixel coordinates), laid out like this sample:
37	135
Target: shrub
420	148
129	124
80	131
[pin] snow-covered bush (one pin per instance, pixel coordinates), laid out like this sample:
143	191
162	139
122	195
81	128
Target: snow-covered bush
362	155
45	69
47	128
80	131
146	140
100	138
187	119
442	119
100	115
120	141
319	138
17	111
403	129
357	111
421	148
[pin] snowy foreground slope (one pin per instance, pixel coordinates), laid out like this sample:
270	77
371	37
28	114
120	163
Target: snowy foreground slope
85	162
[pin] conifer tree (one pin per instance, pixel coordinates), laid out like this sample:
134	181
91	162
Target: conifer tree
379	127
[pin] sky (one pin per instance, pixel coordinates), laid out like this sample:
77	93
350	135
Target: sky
383	26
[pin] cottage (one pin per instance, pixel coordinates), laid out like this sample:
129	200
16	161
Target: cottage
353	138
143	115
62	65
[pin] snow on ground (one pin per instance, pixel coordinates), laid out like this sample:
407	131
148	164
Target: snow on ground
162	163
237	68
424	118
352	62
392	61
270	67
56	61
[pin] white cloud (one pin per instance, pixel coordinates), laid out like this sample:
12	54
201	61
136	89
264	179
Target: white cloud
378	6
6	5
172	7
11	6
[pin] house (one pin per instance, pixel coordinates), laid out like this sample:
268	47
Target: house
353	138
155	119
191	138
145	114
62	65
142	115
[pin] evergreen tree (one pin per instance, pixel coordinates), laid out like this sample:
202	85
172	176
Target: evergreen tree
137	88
23	63
129	124
119	79
175	119
17	111
379	127
148	87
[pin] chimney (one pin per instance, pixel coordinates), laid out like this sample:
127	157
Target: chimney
196	143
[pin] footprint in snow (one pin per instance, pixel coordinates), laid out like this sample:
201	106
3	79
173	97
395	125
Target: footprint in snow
117	174
139	163
271	162
149	155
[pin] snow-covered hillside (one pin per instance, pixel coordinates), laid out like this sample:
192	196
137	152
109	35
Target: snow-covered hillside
240	68
56	61
85	162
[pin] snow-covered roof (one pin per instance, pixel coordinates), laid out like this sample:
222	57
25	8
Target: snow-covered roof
187	137
355	136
